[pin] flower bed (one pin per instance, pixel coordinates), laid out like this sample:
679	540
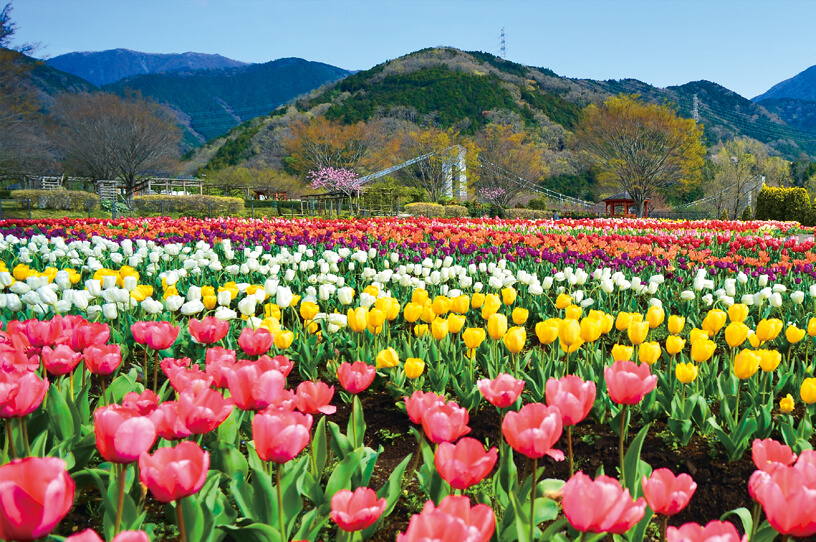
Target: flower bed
277	379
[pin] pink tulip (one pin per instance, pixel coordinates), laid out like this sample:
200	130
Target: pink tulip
102	359
216	360
439	526
144	403
667	494
282	364
464	464
30	395
768	451
445	423
161	335
255	342
356	511
280	435
183	379
122	435
356	377
202	411
419	403
628	383
89	535
717	531
479	519
60	360
43	333
84	334
140	331
534	430
168	422
208	330
174	473
502	391
600	506
573	397
35	494
9	387
789	501
314	398
252	389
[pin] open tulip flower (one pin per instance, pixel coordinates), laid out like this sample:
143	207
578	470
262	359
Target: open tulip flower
667	494
280	435
465	463
534	430
445	422
502	391
721	531
208	330
611	511
628	382
355	511
355	377
419	403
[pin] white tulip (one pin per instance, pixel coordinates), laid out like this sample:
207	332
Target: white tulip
345	295
247	306
367	300
47	296
763	280
151	306
812	290
779	288
6	279
62	306
284	297
92	311
547	283
174	303
798	297
224	298
687	295
775	300
20	288
192	307
708	299
109	311
535	289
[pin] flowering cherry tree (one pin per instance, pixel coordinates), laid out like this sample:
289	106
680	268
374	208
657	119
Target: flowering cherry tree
336	180
493	195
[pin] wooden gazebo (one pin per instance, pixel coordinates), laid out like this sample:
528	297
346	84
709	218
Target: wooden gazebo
619	204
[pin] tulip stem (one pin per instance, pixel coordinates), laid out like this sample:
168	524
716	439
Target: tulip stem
121	472
24	431
664	525
10	434
569	450
757	511
736	407
532	500
415	460
156	372
354	422
622	442
180	521
280	501
104	391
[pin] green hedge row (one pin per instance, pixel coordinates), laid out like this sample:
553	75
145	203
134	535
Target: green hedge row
195	206
784	204
66	200
436	210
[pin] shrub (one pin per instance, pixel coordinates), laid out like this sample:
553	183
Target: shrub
528	214
436	210
539	204
783	204
455	211
724	214
195	206
66	200
747	214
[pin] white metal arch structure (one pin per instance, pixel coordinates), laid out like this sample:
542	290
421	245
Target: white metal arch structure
457	163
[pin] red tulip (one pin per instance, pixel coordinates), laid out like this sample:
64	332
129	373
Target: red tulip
479	519
89	535
628	383
202	411
356	511
464	464
600	506
445	423
719	531
187	378
102	359
170	365
32	390
35	494
122	435
173	473
314	398
9	386
534	430
144	403
86	333
766	453
168	422
140	331
282	364
252	389
667	494
216	360
438	526
208	330
573	397
162	335
419	403
356	377
502	391
43	332
14	353
789	501
255	342
60	360
280	435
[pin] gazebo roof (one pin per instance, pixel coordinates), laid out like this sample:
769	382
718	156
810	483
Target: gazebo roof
622	196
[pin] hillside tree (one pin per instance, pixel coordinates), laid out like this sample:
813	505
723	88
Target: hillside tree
104	136
640	147
509	158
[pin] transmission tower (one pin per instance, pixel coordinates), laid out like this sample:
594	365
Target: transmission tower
503	45
695	110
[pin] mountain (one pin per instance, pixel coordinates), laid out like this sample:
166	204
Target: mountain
49	81
210	102
801	86
104	67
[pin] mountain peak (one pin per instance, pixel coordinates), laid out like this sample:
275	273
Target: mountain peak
801	86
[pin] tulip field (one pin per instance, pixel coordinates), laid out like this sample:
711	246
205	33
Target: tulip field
405	378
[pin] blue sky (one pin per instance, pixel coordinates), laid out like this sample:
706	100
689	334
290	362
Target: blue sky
745	45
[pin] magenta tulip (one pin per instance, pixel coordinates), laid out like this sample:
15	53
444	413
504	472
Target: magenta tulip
464	464
208	330
502	391
122	435
534	430
628	383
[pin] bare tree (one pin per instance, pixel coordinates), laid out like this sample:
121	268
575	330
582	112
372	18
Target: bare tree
508	158
104	136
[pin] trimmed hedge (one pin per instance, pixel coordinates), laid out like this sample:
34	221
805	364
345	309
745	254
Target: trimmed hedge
783	204
435	210
66	200
195	206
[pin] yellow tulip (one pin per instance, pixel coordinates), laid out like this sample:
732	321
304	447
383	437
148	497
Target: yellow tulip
284	338
569	332
768	330
272	311
295	300
738	312
623	320
210	301
598	315
461	304
441	305
313	327
674	345
562	301
376	319
573	312
207	290
637	332
171	291
371	290
649	352
621	352
420	330
753	340
546	332
414	367
686	372
20	272
811	327
358	319
271	324
141	292
308	310
387	358
714	321
515	339
477	300
509	295
676	324
428	315
769	360
736	333
702	350
746	364
591	329
491	305
786	404
808	390
439	329
419	296
412	312
455	323
794	334
520	315
697	335
608	322
655	316
496	326
392	309
473	337
570	348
